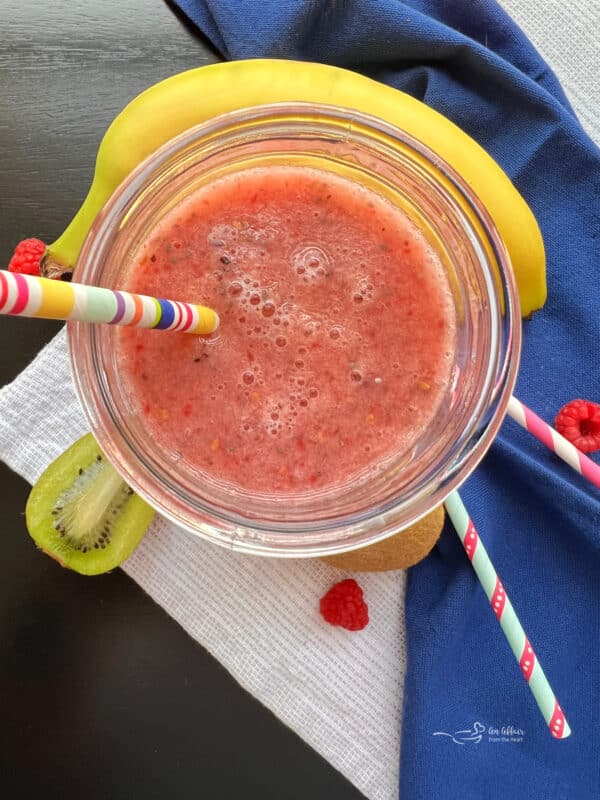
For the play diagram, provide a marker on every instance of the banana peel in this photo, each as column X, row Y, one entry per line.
column 184, row 100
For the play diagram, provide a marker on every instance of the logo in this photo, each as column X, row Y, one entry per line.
column 462, row 737
column 479, row 733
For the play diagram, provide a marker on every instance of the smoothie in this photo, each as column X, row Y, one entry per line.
column 337, row 333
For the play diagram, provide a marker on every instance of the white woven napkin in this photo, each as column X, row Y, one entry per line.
column 341, row 692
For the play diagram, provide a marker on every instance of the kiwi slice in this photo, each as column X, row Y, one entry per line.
column 83, row 514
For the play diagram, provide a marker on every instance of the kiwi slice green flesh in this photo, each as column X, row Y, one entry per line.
column 82, row 513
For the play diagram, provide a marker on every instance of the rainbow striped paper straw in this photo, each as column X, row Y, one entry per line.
column 30, row 296
column 554, row 441
column 509, row 622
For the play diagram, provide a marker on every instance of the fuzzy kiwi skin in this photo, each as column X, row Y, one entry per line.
column 132, row 522
column 399, row 551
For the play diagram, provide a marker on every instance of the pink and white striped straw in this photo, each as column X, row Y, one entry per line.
column 554, row 441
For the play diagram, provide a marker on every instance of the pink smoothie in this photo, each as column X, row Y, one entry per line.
column 337, row 332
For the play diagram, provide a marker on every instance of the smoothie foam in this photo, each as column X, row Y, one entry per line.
column 337, row 334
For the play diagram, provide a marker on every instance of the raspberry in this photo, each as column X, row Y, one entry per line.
column 343, row 605
column 27, row 256
column 579, row 422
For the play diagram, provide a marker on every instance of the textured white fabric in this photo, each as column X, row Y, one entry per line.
column 341, row 693
column 566, row 34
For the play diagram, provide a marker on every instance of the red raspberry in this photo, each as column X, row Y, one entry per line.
column 343, row 605
column 579, row 422
column 27, row 256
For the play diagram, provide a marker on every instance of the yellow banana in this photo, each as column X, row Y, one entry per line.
column 184, row 100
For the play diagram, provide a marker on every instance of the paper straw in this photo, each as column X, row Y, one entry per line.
column 509, row 622
column 554, row 441
column 30, row 296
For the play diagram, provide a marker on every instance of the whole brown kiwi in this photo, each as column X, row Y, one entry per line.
column 396, row 552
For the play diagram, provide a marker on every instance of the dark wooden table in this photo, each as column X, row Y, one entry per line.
column 102, row 695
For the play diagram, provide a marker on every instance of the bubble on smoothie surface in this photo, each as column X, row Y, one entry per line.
column 311, row 262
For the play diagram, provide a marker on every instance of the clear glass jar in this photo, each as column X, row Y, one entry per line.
column 388, row 161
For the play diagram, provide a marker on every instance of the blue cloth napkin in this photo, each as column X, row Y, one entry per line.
column 538, row 519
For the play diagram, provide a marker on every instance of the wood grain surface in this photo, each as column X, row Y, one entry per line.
column 102, row 695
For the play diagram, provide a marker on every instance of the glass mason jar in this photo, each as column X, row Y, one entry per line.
column 387, row 160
